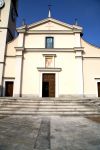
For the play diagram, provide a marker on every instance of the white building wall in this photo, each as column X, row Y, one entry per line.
column 91, row 71
column 30, row 82
column 31, row 76
column 66, row 61
column 5, row 14
column 9, row 70
column 60, row 41
column 79, row 72
column 91, row 74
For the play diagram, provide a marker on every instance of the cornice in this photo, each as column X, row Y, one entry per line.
column 49, row 50
column 79, row 49
column 52, row 31
column 19, row 48
column 49, row 69
column 91, row 57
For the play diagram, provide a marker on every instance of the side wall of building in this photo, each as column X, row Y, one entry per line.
column 91, row 71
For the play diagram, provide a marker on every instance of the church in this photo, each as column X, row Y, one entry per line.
column 48, row 58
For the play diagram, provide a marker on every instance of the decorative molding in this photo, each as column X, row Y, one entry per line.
column 49, row 50
column 49, row 69
column 19, row 55
column 97, row 78
column 13, row 78
column 71, row 27
column 50, row 31
column 91, row 57
column 49, row 55
column 78, row 56
column 19, row 48
column 11, row 56
column 79, row 49
column 2, row 62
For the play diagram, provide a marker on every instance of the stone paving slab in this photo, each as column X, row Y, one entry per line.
column 49, row 133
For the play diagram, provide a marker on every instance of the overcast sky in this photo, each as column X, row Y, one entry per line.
column 86, row 11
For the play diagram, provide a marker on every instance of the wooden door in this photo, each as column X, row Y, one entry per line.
column 98, row 89
column 9, row 88
column 48, row 85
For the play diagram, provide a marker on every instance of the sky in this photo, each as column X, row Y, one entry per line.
column 87, row 13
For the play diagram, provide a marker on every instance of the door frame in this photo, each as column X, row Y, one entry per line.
column 4, row 84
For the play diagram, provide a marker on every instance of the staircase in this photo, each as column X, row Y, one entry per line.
column 49, row 106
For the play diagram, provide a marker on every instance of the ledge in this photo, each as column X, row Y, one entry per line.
column 19, row 48
column 49, row 69
column 49, row 50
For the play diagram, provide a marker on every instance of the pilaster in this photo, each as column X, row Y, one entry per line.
column 3, row 36
column 19, row 65
column 79, row 70
column 18, row 72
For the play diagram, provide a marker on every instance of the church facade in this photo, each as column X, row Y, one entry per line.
column 49, row 58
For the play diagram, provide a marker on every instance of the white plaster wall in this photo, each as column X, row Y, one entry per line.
column 31, row 76
column 90, row 50
column 3, row 35
column 91, row 71
column 91, row 65
column 60, row 41
column 11, row 51
column 5, row 14
column 66, row 61
column 9, row 70
column 30, row 81
column 77, row 40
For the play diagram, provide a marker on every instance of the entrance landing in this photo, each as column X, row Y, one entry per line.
column 49, row 133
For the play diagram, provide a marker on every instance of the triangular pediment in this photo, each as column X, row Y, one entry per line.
column 50, row 24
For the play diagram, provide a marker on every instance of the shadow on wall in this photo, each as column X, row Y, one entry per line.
column 2, row 91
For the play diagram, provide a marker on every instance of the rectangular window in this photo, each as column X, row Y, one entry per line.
column 49, row 42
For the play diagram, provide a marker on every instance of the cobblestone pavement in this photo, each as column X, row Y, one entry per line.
column 49, row 133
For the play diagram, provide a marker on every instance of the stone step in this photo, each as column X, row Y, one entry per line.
column 50, row 113
column 48, row 110
column 47, row 101
column 41, row 105
column 47, row 98
column 43, row 102
column 48, row 106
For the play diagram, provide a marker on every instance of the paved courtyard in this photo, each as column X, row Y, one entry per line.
column 49, row 133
